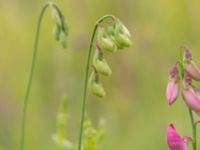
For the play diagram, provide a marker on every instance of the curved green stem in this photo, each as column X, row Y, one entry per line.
column 29, row 84
column 194, row 132
column 83, row 107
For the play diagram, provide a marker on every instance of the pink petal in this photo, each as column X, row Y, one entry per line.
column 174, row 140
column 192, row 99
column 192, row 69
column 172, row 91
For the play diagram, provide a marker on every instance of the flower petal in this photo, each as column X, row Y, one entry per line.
column 192, row 69
column 172, row 91
column 191, row 98
column 174, row 140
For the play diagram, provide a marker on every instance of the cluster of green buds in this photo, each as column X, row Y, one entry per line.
column 93, row 137
column 60, row 137
column 61, row 29
column 111, row 36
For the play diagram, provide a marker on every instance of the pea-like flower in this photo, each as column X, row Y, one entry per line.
column 172, row 91
column 173, row 86
column 191, row 96
column 174, row 140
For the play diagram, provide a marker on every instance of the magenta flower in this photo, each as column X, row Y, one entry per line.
column 173, row 86
column 174, row 140
column 191, row 96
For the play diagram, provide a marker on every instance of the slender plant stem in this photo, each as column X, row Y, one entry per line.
column 193, row 125
column 29, row 84
column 83, row 107
column 194, row 141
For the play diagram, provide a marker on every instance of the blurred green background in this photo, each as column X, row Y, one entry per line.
column 135, row 107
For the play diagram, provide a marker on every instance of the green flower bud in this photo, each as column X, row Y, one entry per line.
column 63, row 39
column 105, row 42
column 123, row 40
column 122, row 35
column 119, row 46
column 56, row 32
column 111, row 30
column 111, row 33
column 101, row 65
column 95, row 85
column 56, row 17
column 66, row 28
column 121, row 28
column 98, row 90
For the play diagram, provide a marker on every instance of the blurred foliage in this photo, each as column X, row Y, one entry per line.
column 135, row 108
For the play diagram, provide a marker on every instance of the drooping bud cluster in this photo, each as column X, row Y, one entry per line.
column 111, row 37
column 61, row 26
column 189, row 72
column 93, row 137
column 60, row 137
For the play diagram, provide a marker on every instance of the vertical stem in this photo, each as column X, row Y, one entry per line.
column 29, row 84
column 193, row 125
column 83, row 107
column 194, row 142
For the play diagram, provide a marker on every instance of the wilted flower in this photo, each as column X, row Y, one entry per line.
column 174, row 140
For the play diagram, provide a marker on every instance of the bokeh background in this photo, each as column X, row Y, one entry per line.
column 135, row 107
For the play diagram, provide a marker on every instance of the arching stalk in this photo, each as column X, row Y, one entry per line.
column 30, row 78
column 83, row 107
